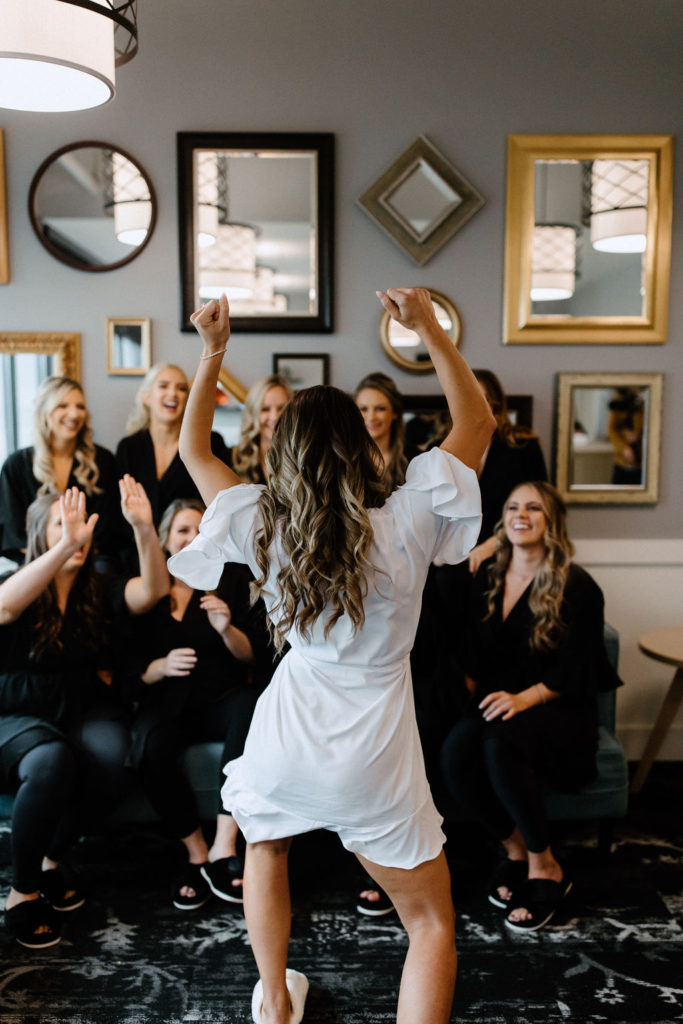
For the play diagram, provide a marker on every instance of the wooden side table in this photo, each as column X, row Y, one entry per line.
column 663, row 645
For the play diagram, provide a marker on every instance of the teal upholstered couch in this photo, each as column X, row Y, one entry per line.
column 604, row 800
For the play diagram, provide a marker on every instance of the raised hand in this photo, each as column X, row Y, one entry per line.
column 135, row 504
column 77, row 531
column 218, row 612
column 212, row 321
column 411, row 307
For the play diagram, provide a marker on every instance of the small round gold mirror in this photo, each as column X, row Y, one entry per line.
column 405, row 348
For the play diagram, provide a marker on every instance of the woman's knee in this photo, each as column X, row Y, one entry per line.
column 48, row 765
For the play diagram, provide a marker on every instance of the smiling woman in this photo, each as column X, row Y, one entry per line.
column 62, row 455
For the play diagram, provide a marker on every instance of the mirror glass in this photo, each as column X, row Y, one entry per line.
column 405, row 348
column 590, row 235
column 422, row 199
column 256, row 224
column 92, row 206
column 608, row 437
column 588, row 238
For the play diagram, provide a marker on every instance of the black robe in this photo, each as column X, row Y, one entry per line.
column 18, row 488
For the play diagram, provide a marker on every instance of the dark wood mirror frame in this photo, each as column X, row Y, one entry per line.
column 323, row 145
column 59, row 254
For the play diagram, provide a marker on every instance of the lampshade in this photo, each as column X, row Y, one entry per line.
column 58, row 55
column 553, row 262
column 132, row 201
column 206, row 176
column 230, row 265
column 619, row 190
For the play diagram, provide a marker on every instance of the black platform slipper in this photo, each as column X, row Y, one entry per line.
column 55, row 883
column 510, row 874
column 375, row 908
column 24, row 919
column 220, row 874
column 541, row 897
column 190, row 878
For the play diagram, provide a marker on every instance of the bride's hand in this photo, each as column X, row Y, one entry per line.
column 212, row 321
column 411, row 307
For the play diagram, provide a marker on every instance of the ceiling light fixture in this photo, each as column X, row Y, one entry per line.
column 59, row 55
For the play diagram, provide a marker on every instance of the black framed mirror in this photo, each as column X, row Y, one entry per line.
column 92, row 206
column 255, row 214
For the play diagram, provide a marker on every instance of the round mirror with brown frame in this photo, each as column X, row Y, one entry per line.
column 405, row 348
column 92, row 206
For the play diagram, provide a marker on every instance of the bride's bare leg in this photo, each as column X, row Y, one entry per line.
column 422, row 897
column 267, row 908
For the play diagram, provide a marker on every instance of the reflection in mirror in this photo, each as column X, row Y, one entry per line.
column 588, row 238
column 421, row 199
column 92, row 206
column 26, row 359
column 427, row 420
column 227, row 417
column 256, row 224
column 405, row 348
column 608, row 430
column 128, row 346
column 590, row 231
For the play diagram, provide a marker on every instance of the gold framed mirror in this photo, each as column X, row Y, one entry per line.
column 26, row 359
column 587, row 239
column 608, row 433
column 404, row 347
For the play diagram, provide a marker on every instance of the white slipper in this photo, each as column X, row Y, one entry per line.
column 297, row 985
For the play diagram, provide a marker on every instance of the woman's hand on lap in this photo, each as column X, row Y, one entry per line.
column 503, row 704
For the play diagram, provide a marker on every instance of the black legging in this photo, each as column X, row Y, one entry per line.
column 61, row 784
column 170, row 794
column 495, row 771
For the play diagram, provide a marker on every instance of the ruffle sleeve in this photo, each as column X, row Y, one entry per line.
column 440, row 504
column 226, row 534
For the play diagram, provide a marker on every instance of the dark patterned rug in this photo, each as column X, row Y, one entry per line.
column 614, row 954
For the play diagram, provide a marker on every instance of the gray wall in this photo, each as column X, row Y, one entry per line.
column 464, row 74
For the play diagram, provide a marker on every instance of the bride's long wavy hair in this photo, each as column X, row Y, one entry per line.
column 547, row 591
column 324, row 474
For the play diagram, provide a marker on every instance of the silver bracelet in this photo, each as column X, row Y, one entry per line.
column 538, row 687
column 212, row 354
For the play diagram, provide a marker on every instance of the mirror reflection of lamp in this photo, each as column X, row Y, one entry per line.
column 229, row 266
column 553, row 262
column 61, row 56
column 132, row 201
column 619, row 190
column 208, row 207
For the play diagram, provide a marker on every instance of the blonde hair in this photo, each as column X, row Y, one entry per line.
column 323, row 477
column 547, row 591
column 139, row 418
column 395, row 468
column 246, row 455
column 51, row 392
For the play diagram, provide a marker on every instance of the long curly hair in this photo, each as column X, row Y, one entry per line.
column 246, row 454
column 547, row 591
column 513, row 434
column 395, row 469
column 139, row 418
column 323, row 477
column 51, row 392
column 85, row 598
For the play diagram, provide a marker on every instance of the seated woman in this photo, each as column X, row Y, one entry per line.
column 198, row 655
column 62, row 455
column 264, row 402
column 535, row 662
column 63, row 742
column 381, row 406
column 149, row 452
